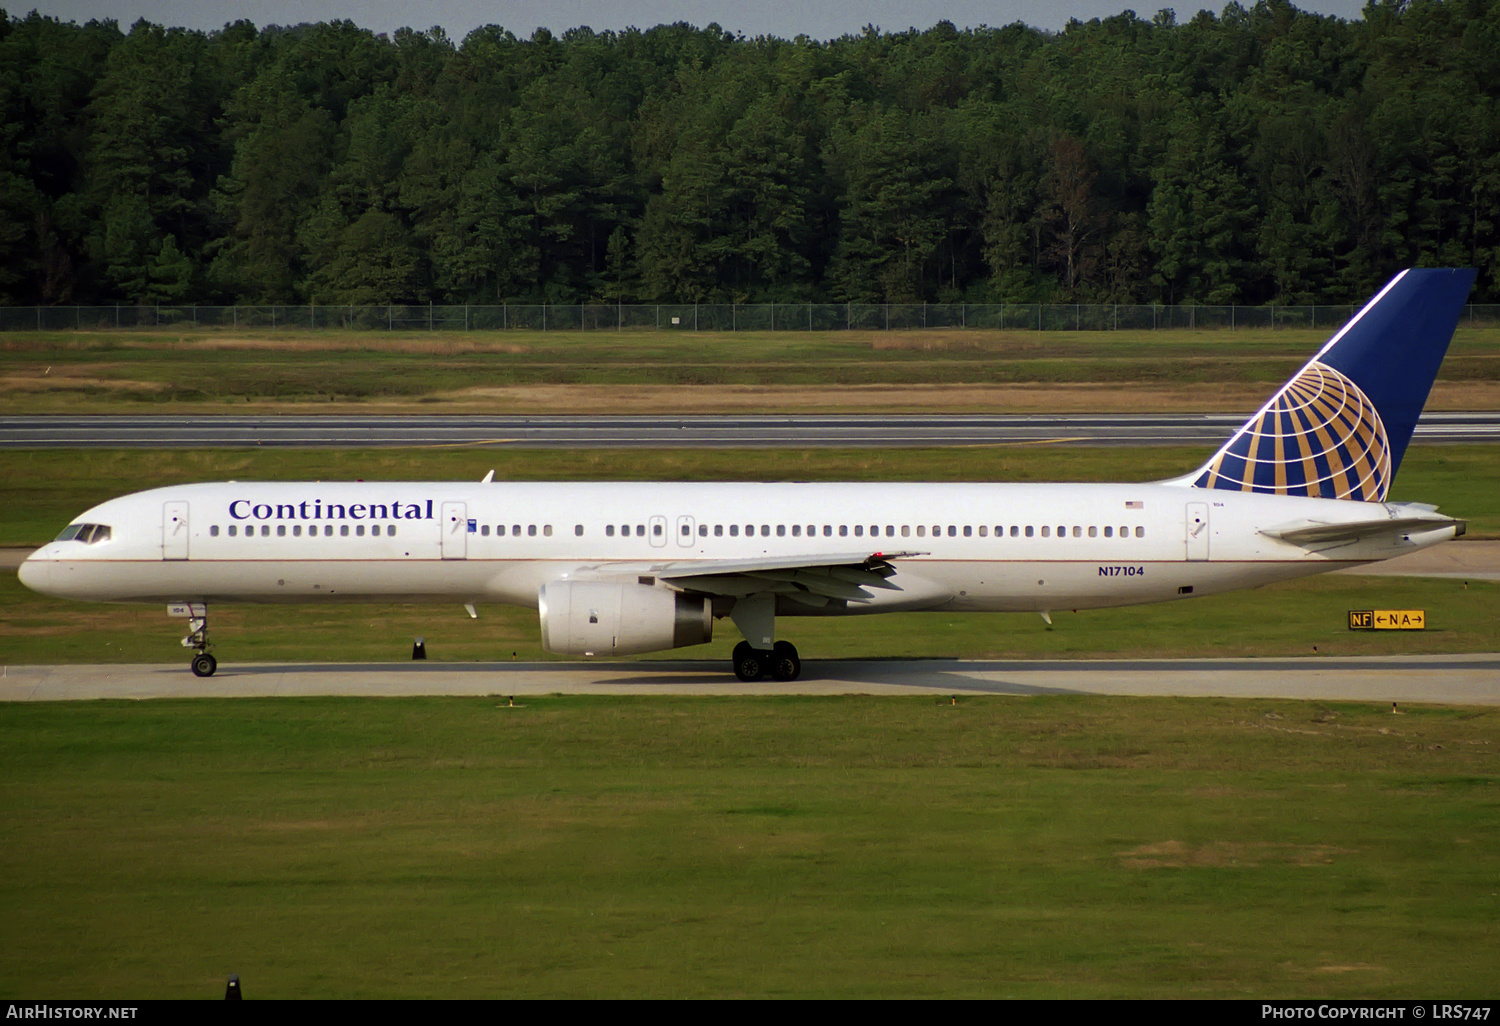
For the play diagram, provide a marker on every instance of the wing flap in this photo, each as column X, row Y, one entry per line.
column 814, row 580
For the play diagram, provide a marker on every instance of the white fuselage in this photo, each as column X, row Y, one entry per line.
column 997, row 547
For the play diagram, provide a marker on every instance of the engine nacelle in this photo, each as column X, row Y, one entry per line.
column 602, row 618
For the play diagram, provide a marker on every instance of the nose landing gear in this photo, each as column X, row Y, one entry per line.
column 203, row 664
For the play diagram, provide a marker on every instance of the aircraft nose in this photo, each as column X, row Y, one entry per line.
column 35, row 573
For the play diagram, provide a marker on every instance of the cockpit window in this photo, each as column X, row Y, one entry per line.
column 89, row 534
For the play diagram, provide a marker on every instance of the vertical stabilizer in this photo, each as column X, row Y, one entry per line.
column 1339, row 428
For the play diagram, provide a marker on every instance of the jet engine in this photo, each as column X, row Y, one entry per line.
column 602, row 618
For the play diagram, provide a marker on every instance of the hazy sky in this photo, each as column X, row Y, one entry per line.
column 817, row 18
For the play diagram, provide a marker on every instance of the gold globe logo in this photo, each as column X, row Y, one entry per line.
column 1319, row 437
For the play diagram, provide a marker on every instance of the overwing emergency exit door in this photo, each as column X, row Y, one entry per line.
column 174, row 530
column 455, row 530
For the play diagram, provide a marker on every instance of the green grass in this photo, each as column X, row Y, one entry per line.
column 208, row 369
column 845, row 847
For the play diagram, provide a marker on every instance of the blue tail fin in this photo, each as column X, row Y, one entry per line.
column 1339, row 428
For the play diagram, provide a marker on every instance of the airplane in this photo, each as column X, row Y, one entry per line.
column 619, row 568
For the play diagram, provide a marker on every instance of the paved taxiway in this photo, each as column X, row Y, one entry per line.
column 797, row 432
column 1472, row 679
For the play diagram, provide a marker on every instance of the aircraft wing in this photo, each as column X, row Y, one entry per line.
column 813, row 580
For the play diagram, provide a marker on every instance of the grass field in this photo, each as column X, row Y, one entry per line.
column 846, row 847
column 215, row 371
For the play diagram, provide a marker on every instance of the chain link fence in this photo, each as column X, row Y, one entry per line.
column 715, row 317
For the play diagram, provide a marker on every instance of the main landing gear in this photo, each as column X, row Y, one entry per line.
column 203, row 664
column 781, row 662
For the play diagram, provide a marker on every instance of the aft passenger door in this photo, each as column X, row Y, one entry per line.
column 1197, row 531
column 455, row 530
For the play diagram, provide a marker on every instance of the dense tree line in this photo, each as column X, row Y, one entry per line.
column 1265, row 155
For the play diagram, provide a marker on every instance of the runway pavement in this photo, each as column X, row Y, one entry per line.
column 193, row 432
column 1445, row 679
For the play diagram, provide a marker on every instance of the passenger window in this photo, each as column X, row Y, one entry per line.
column 1140, row 532
column 796, row 530
column 1109, row 532
column 968, row 531
column 344, row 530
column 484, row 530
column 213, row 531
column 827, row 530
column 232, row 530
column 531, row 530
column 718, row 530
column 921, row 530
column 359, row 530
column 578, row 530
column 734, row 530
column 765, row 530
column 859, row 530
column 609, row 530
column 952, row 531
column 374, row 528
column 1015, row 530
column 1077, row 531
column 1093, row 532
column 906, row 530
column 843, row 530
column 390, row 530
column 702, row 530
column 281, row 530
column 984, row 531
column 547, row 530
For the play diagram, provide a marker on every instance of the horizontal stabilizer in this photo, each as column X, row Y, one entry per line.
column 1309, row 532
